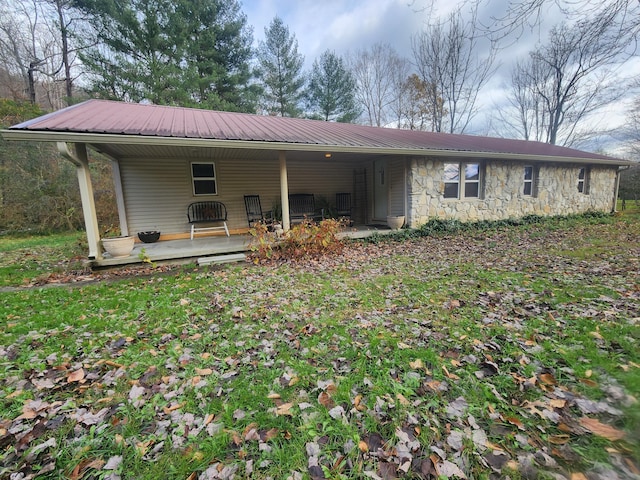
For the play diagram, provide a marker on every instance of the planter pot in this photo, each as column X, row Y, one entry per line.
column 395, row 222
column 119, row 246
column 149, row 237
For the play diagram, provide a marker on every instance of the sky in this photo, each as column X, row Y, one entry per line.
column 350, row 25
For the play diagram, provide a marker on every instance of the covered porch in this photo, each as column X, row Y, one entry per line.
column 204, row 250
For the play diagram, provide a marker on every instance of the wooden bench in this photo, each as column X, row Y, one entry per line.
column 302, row 206
column 207, row 212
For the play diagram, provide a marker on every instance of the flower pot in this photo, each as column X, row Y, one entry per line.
column 119, row 246
column 149, row 237
column 395, row 222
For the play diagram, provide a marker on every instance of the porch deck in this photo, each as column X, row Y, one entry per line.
column 209, row 249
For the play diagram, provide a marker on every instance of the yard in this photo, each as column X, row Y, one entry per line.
column 511, row 351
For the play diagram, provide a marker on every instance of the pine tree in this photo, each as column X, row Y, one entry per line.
column 170, row 52
column 331, row 92
column 281, row 71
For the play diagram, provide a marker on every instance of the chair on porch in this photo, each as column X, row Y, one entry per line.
column 343, row 207
column 255, row 214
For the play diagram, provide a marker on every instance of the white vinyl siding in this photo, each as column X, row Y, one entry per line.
column 397, row 193
column 158, row 191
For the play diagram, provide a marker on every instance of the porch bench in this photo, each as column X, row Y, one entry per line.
column 302, row 206
column 207, row 212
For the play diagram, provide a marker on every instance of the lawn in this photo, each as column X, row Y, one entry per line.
column 505, row 351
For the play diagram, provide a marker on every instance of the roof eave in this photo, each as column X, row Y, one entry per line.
column 108, row 138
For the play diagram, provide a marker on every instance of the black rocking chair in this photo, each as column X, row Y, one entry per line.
column 255, row 214
column 343, row 207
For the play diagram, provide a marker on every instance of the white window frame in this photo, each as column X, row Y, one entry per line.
column 584, row 175
column 461, row 180
column 213, row 179
column 532, row 181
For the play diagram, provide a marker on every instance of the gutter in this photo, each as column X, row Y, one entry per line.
column 96, row 139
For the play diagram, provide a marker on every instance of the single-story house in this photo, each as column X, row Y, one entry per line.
column 165, row 158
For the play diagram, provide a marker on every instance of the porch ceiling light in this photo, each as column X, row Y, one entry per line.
column 327, row 155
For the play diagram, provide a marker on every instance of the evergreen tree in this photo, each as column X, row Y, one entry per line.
column 331, row 92
column 281, row 70
column 186, row 52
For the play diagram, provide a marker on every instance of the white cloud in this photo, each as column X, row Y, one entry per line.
column 347, row 26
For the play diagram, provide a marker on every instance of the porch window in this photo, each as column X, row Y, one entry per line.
column 583, row 181
column 203, row 176
column 467, row 174
column 530, row 181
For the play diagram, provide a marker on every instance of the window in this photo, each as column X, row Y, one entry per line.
column 451, row 180
column 529, row 180
column 583, row 180
column 204, row 179
column 468, row 174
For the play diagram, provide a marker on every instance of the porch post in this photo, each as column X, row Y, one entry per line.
column 78, row 156
column 284, row 192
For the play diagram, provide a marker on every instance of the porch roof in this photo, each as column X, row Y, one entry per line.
column 113, row 127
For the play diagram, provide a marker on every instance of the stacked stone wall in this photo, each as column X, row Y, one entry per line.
column 502, row 192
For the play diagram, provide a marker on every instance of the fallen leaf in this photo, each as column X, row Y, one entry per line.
column 76, row 376
column 362, row 445
column 451, row 376
column 449, row 469
column 172, row 408
column 203, row 371
column 557, row 403
column 601, row 429
column 559, row 439
column 284, row 409
column 416, row 364
column 516, row 422
column 548, row 379
column 578, row 476
column 325, row 400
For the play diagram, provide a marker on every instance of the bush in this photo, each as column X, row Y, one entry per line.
column 305, row 240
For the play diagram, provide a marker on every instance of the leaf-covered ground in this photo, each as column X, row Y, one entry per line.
column 505, row 353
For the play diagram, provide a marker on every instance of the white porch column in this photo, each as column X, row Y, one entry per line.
column 78, row 156
column 284, row 192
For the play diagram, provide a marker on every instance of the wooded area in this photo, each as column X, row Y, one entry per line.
column 201, row 54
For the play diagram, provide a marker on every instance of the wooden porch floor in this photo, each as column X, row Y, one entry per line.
column 208, row 249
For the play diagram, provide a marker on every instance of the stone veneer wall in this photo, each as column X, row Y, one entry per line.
column 503, row 184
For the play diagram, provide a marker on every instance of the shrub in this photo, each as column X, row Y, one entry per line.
column 307, row 239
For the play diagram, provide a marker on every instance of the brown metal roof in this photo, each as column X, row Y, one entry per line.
column 102, row 117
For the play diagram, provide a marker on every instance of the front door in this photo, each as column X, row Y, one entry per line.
column 380, row 190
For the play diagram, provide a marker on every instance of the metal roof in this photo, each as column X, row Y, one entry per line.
column 103, row 121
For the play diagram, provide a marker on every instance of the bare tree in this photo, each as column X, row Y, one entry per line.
column 447, row 56
column 35, row 46
column 524, row 115
column 524, row 15
column 379, row 73
column 632, row 130
column 568, row 79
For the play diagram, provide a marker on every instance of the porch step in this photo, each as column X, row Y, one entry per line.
column 233, row 257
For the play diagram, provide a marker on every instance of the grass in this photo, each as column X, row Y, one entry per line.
column 400, row 358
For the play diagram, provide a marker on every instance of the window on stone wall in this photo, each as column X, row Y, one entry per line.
column 204, row 180
column 583, row 181
column 451, row 180
column 530, row 186
column 462, row 180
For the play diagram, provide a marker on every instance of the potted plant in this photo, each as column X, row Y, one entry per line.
column 115, row 244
